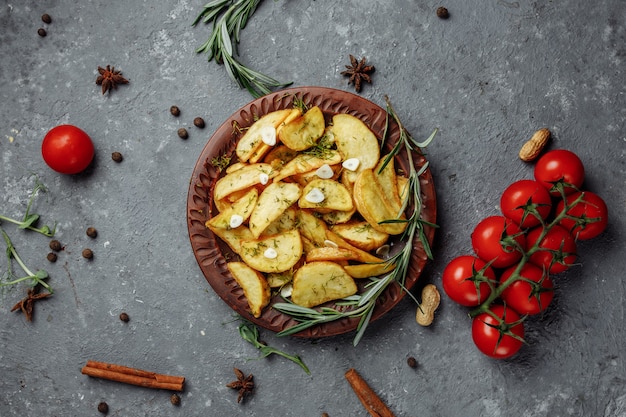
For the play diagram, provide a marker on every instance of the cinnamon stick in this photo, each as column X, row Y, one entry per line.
column 120, row 373
column 372, row 403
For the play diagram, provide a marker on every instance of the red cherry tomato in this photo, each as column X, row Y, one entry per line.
column 560, row 165
column 557, row 249
column 498, row 337
column 498, row 240
column 532, row 293
column 589, row 217
column 526, row 202
column 67, row 149
column 465, row 280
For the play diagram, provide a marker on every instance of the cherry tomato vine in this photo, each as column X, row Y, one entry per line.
column 516, row 254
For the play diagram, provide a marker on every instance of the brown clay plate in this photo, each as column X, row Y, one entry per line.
column 211, row 253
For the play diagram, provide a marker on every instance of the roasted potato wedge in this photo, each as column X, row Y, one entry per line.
column 242, row 179
column 288, row 220
column 369, row 270
column 371, row 204
column 255, row 287
column 273, row 201
column 303, row 132
column 363, row 256
column 304, row 163
column 312, row 228
column 329, row 253
column 388, row 181
column 242, row 207
column 232, row 237
column 274, row 253
column 264, row 148
column 361, row 234
column 252, row 139
column 332, row 196
column 279, row 279
column 318, row 282
column 279, row 156
column 355, row 140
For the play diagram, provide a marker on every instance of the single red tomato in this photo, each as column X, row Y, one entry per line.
column 585, row 219
column 465, row 280
column 526, row 202
column 560, row 166
column 530, row 292
column 498, row 334
column 67, row 149
column 556, row 250
column 498, row 240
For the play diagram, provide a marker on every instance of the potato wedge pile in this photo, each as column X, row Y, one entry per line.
column 305, row 206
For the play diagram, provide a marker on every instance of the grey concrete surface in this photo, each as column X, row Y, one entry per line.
column 487, row 77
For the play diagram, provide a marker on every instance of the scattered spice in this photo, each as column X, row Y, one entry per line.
column 175, row 111
column 92, row 232
column 46, row 18
column 117, row 157
column 182, row 133
column 109, row 78
column 372, row 403
column 87, row 253
column 442, row 13
column 103, row 407
column 124, row 317
column 175, row 399
column 412, row 362
column 42, row 32
column 27, row 304
column 133, row 376
column 358, row 71
column 199, row 122
column 325, row 415
column 55, row 245
column 244, row 384
column 52, row 257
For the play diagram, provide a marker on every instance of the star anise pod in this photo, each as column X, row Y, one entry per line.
column 109, row 78
column 358, row 71
column 27, row 304
column 244, row 384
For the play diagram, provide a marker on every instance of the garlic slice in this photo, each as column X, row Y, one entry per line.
column 268, row 135
column 383, row 250
column 325, row 172
column 235, row 221
column 351, row 164
column 315, row 196
column 286, row 290
column 264, row 178
column 330, row 244
column 270, row 253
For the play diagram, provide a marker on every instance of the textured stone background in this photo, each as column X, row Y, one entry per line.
column 487, row 77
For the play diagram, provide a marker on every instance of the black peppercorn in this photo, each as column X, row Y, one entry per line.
column 175, row 399
column 412, row 362
column 103, row 407
column 87, row 253
column 182, row 133
column 117, row 157
column 46, row 18
column 175, row 111
column 124, row 317
column 42, row 32
column 442, row 13
column 199, row 122
column 92, row 232
column 55, row 245
column 52, row 257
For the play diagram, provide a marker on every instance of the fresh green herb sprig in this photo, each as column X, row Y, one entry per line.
column 31, row 278
column 30, row 219
column 228, row 18
column 362, row 305
column 250, row 333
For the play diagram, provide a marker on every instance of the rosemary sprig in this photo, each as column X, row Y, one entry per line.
column 250, row 333
column 362, row 305
column 228, row 18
